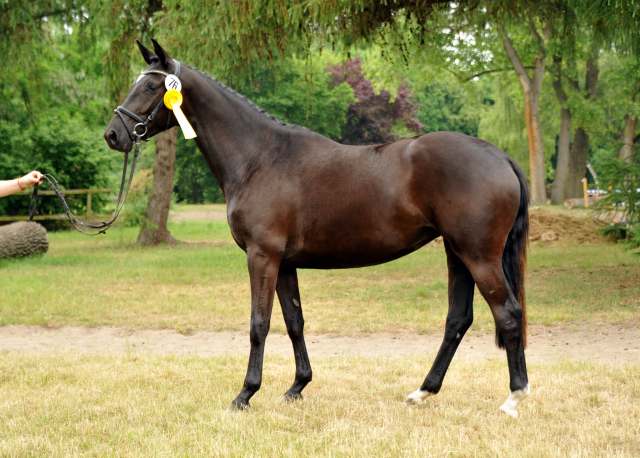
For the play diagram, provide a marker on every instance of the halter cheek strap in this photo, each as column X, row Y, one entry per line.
column 120, row 111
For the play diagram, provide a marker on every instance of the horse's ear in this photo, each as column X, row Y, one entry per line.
column 147, row 55
column 164, row 56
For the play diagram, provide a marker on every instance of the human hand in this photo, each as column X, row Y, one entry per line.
column 30, row 179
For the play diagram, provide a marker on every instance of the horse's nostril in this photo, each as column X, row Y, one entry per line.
column 113, row 137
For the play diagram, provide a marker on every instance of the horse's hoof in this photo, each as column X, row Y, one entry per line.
column 506, row 410
column 237, row 407
column 515, row 398
column 287, row 398
column 418, row 397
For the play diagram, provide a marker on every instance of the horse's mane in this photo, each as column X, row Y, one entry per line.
column 236, row 95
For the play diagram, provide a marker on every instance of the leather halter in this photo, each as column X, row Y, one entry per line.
column 133, row 133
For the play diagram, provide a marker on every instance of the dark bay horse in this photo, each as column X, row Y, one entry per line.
column 296, row 199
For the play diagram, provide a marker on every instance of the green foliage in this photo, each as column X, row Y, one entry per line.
column 300, row 92
column 622, row 179
column 118, row 23
column 51, row 119
column 63, row 147
column 447, row 104
column 194, row 183
column 634, row 236
column 72, row 59
column 235, row 35
column 24, row 30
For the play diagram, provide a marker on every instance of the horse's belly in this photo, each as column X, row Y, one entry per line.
column 357, row 251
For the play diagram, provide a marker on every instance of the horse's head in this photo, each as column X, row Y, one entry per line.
column 143, row 112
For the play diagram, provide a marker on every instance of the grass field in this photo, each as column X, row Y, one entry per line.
column 143, row 405
column 107, row 280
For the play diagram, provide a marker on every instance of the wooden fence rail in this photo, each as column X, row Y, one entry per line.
column 88, row 192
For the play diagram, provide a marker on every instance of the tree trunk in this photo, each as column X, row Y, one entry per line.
column 626, row 152
column 536, row 150
column 154, row 227
column 21, row 239
column 580, row 151
column 532, row 88
column 559, row 188
column 577, row 164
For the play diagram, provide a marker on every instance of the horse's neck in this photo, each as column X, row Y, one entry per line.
column 232, row 136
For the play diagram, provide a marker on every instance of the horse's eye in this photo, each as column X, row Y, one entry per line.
column 152, row 87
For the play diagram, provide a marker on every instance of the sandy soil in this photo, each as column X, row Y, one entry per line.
column 607, row 344
column 206, row 215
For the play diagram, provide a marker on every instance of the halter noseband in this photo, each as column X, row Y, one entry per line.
column 133, row 133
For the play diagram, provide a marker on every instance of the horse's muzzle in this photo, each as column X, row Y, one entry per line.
column 118, row 141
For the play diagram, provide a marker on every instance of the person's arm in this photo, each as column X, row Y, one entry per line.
column 8, row 187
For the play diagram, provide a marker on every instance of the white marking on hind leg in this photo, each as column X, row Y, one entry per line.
column 510, row 406
column 418, row 397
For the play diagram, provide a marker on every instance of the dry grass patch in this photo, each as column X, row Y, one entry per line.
column 139, row 405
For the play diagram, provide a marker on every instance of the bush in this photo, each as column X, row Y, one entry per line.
column 74, row 154
column 622, row 179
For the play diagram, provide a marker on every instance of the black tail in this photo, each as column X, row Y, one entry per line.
column 514, row 258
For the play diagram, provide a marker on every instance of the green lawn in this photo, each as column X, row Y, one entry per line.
column 107, row 280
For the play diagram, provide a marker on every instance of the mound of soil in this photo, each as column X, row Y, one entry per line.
column 546, row 226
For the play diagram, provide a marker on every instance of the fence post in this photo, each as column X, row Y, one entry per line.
column 586, row 195
column 89, row 193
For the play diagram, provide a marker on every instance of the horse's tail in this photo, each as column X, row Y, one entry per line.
column 514, row 257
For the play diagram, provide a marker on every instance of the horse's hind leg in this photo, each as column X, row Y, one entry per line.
column 289, row 295
column 507, row 315
column 459, row 319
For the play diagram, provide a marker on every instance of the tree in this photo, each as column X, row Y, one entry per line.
column 154, row 226
column 628, row 137
column 121, row 22
column 558, row 190
column 532, row 86
column 371, row 119
column 574, row 100
column 629, row 77
column 447, row 104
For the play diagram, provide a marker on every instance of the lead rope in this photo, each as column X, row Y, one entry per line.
column 104, row 225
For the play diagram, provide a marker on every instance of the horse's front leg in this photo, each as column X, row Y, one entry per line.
column 289, row 295
column 263, row 273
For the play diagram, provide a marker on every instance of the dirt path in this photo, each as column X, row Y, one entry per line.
column 608, row 344
column 204, row 215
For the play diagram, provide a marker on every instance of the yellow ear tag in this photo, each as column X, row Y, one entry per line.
column 173, row 100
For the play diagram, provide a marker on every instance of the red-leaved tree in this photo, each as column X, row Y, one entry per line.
column 371, row 119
